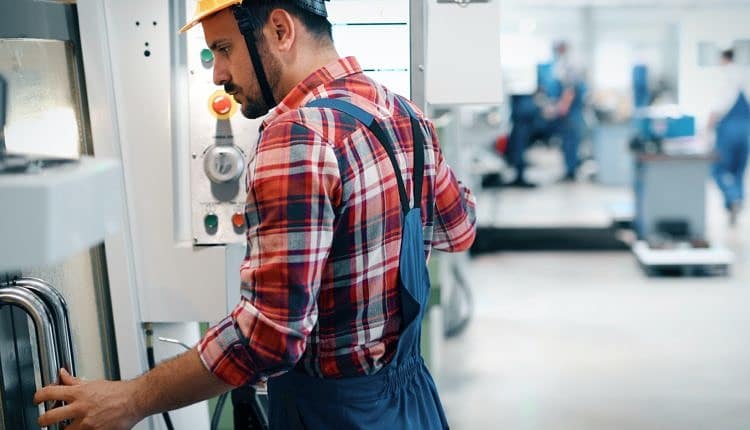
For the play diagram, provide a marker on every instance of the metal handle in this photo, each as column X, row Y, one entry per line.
column 45, row 334
column 58, row 309
column 3, row 109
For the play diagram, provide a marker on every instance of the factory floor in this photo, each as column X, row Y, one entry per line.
column 585, row 341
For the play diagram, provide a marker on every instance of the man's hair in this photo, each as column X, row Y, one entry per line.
column 728, row 54
column 319, row 27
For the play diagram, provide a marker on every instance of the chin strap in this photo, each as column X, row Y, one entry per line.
column 247, row 28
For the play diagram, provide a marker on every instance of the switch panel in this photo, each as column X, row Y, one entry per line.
column 221, row 144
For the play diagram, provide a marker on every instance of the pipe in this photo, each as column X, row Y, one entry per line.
column 45, row 334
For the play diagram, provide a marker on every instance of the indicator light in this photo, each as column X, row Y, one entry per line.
column 207, row 57
column 211, row 221
column 238, row 220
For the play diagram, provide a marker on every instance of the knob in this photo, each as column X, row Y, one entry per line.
column 223, row 164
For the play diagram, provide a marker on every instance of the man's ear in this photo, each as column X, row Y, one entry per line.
column 283, row 29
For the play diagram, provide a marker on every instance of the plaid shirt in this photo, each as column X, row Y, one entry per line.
column 320, row 278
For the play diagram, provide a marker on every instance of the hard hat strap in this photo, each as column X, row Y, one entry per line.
column 247, row 28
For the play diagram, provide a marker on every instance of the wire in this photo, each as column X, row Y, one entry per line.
column 216, row 418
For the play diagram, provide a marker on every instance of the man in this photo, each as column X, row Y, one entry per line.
column 731, row 119
column 329, row 308
column 567, row 90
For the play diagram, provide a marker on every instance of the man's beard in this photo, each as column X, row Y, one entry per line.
column 256, row 107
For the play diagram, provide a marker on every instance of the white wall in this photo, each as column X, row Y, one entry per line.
column 606, row 41
column 719, row 25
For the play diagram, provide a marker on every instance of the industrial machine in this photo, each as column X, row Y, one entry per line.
column 672, row 166
column 58, row 205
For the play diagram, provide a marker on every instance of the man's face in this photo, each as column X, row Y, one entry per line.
column 232, row 66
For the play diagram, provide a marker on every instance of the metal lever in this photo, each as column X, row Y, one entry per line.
column 59, row 311
column 45, row 334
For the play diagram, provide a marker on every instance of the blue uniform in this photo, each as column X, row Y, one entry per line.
column 400, row 396
column 732, row 134
column 524, row 114
column 571, row 126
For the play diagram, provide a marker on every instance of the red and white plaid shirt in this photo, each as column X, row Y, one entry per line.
column 319, row 281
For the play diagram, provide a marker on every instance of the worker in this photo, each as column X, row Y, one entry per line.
column 524, row 112
column 346, row 179
column 567, row 92
column 730, row 118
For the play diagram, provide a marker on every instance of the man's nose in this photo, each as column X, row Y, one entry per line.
column 221, row 73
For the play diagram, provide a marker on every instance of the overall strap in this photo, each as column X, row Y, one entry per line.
column 419, row 144
column 372, row 124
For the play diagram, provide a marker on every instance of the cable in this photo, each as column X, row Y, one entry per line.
column 216, row 418
column 151, row 364
column 460, row 308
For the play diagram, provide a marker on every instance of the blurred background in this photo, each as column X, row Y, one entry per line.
column 608, row 284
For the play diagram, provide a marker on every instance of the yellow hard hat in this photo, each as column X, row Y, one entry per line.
column 205, row 8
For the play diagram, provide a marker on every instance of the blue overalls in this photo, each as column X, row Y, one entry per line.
column 732, row 134
column 570, row 127
column 402, row 395
column 524, row 113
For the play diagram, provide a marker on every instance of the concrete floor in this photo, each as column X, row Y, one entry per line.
column 585, row 341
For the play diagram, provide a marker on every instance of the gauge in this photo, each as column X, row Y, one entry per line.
column 223, row 164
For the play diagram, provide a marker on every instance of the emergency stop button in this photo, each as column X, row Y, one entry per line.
column 222, row 105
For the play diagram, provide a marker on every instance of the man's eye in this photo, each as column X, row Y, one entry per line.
column 224, row 50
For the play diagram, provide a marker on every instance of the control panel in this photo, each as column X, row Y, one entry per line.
column 221, row 144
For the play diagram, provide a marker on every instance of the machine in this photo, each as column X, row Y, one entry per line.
column 672, row 166
column 59, row 205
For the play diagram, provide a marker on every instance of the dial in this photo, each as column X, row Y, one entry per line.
column 223, row 164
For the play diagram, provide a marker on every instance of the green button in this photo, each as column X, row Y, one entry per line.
column 207, row 56
column 211, row 221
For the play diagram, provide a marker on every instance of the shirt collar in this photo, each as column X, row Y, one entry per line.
column 312, row 86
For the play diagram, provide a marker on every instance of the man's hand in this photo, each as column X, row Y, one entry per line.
column 103, row 405
column 98, row 405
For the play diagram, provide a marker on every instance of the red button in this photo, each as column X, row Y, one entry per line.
column 238, row 220
column 222, row 104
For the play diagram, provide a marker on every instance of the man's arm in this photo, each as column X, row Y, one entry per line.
column 455, row 219
column 115, row 405
column 295, row 184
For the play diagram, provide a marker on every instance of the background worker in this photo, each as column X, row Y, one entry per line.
column 731, row 120
column 567, row 90
column 334, row 283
